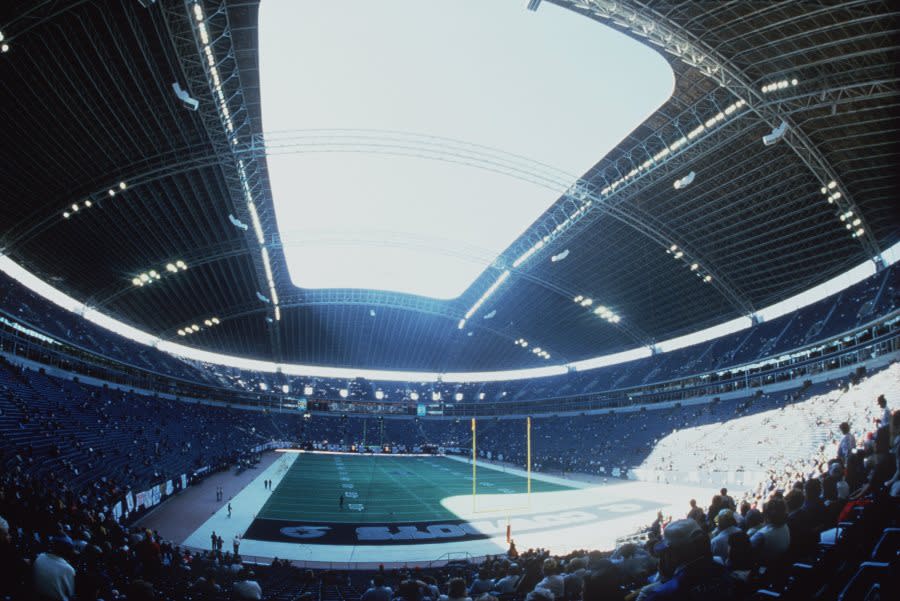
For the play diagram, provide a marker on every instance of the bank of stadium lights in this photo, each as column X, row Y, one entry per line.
column 194, row 328
column 521, row 342
column 695, row 267
column 852, row 222
column 713, row 122
column 776, row 86
column 152, row 275
column 4, row 47
column 228, row 122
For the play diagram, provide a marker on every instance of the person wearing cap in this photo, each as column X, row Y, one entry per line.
column 687, row 566
column 726, row 525
column 54, row 577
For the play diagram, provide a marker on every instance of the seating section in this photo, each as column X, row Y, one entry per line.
column 860, row 304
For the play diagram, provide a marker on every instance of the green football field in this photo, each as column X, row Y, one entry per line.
column 382, row 488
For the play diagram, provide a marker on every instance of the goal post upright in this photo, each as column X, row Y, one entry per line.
column 474, row 475
column 528, row 446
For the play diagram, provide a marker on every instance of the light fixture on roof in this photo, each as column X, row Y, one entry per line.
column 75, row 208
column 181, row 264
column 4, row 48
column 88, row 203
column 122, row 185
column 684, row 181
column 137, row 281
column 776, row 134
column 66, row 214
column 208, row 323
column 707, row 278
column 188, row 101
column 111, row 192
column 695, row 266
column 215, row 320
column 181, row 332
column 195, row 327
column 170, row 267
column 560, row 256
column 144, row 277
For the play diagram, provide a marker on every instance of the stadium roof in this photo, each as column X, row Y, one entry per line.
column 692, row 220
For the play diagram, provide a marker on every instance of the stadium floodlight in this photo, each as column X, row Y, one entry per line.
column 458, row 396
column 776, row 134
column 181, row 264
column 4, row 48
column 480, row 396
column 111, row 192
column 170, row 267
column 88, row 204
column 207, row 323
column 122, row 185
column 144, row 277
column 684, row 181
column 188, row 101
column 66, row 214
column 307, row 390
column 237, row 222
column 344, row 393
column 75, row 208
column 559, row 257
column 181, row 332
column 285, row 388
column 379, row 394
column 414, row 396
column 137, row 281
column 215, row 320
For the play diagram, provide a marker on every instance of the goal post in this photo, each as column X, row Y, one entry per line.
column 527, row 504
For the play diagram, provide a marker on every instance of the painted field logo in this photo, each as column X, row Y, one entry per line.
column 305, row 532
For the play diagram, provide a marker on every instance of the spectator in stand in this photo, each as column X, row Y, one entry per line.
column 54, row 577
column 574, row 578
column 604, row 584
column 727, row 501
column 247, row 587
column 482, row 584
column 772, row 541
column 686, row 566
column 842, row 488
column 456, row 591
column 726, row 525
column 552, row 580
column 880, row 466
column 740, row 561
column 697, row 514
column 508, row 583
column 814, row 506
column 800, row 525
column 847, row 444
column 379, row 591
column 885, row 418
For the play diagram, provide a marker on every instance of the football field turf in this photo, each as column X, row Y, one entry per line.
column 382, row 488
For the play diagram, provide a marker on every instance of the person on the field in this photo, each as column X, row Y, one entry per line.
column 236, row 543
column 341, row 501
column 229, row 509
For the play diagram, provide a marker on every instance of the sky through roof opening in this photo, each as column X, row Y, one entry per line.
column 427, row 135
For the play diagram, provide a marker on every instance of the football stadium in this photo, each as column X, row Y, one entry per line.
column 449, row 300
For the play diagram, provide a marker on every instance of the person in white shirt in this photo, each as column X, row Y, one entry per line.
column 54, row 577
column 772, row 541
column 885, row 421
column 552, row 581
column 847, row 444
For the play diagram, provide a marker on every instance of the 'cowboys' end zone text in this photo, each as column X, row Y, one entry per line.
column 433, row 532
